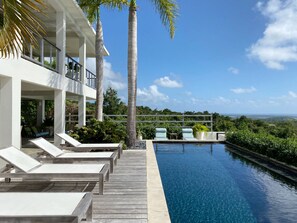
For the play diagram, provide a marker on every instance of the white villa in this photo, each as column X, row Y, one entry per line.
column 49, row 72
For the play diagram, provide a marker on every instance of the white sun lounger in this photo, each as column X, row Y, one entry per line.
column 31, row 169
column 45, row 207
column 77, row 146
column 161, row 134
column 188, row 134
column 59, row 155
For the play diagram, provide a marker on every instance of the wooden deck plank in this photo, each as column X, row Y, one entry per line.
column 125, row 194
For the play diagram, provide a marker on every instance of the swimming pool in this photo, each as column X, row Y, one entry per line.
column 209, row 183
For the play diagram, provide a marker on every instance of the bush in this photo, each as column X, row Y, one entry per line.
column 284, row 150
column 100, row 132
column 199, row 128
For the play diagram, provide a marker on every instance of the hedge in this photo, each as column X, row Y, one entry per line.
column 284, row 150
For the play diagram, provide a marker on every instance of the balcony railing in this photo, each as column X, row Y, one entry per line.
column 174, row 121
column 45, row 54
column 73, row 69
column 91, row 79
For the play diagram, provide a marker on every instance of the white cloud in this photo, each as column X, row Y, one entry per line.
column 167, row 82
column 151, row 94
column 233, row 70
column 292, row 94
column 111, row 78
column 290, row 98
column 243, row 90
column 279, row 42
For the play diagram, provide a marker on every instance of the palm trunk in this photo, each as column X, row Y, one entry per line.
column 99, row 69
column 132, row 75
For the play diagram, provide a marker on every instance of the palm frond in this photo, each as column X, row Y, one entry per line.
column 115, row 4
column 20, row 24
column 168, row 10
column 90, row 7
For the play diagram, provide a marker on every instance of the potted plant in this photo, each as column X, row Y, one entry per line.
column 200, row 131
column 139, row 135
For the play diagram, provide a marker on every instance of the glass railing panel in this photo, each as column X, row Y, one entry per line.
column 91, row 79
column 50, row 56
column 45, row 54
column 73, row 68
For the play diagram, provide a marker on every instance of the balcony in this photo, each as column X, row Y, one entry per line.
column 73, row 69
column 91, row 79
column 45, row 54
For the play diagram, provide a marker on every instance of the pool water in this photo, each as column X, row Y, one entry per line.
column 209, row 183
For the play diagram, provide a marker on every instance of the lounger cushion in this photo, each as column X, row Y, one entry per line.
column 38, row 204
column 87, row 155
column 47, row 146
column 161, row 130
column 188, row 130
column 18, row 158
column 69, row 139
column 68, row 168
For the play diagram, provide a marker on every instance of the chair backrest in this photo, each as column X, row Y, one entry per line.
column 161, row 133
column 18, row 158
column 47, row 147
column 187, row 133
column 69, row 139
column 163, row 130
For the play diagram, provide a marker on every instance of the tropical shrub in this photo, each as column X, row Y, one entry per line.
column 100, row 132
column 284, row 150
column 199, row 128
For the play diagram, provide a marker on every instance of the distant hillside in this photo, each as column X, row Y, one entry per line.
column 268, row 118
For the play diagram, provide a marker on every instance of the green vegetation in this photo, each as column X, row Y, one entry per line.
column 96, row 131
column 281, row 149
column 199, row 128
column 274, row 138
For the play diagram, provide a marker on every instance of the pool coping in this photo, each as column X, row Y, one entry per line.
column 156, row 201
column 275, row 162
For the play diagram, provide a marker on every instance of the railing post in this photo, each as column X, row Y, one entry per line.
column 41, row 51
column 211, row 124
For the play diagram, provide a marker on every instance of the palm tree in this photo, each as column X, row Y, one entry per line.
column 17, row 25
column 92, row 8
column 168, row 13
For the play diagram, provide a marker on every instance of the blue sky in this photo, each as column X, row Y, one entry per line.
column 227, row 56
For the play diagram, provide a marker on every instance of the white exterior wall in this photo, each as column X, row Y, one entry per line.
column 17, row 71
column 10, row 112
column 35, row 74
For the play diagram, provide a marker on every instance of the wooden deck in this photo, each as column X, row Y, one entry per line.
column 125, row 195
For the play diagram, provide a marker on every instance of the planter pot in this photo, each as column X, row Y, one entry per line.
column 201, row 135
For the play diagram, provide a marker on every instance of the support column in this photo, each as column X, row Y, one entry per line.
column 59, row 123
column 83, row 58
column 40, row 112
column 10, row 112
column 82, row 111
column 61, row 39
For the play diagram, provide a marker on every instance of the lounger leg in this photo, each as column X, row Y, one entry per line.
column 111, row 165
column 89, row 214
column 101, row 182
column 107, row 176
column 119, row 153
